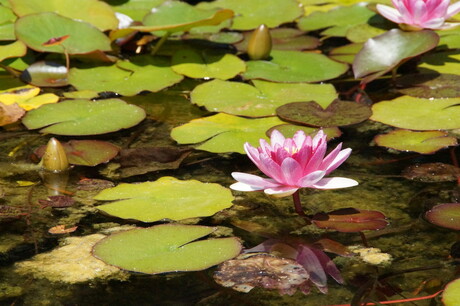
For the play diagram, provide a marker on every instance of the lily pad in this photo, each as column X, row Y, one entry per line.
column 16, row 49
column 288, row 130
column 136, row 9
column 126, row 77
column 379, row 55
column 250, row 14
column 7, row 19
column 82, row 37
column 46, row 74
column 10, row 113
column 431, row 85
column 451, row 294
column 338, row 20
column 84, row 117
column 338, row 113
column 222, row 133
column 418, row 114
column 86, row 152
column 350, row 220
column 97, row 13
column 26, row 97
column 445, row 215
column 446, row 62
column 207, row 64
column 426, row 142
column 262, row 99
column 166, row 198
column 346, row 54
column 294, row 66
column 166, row 248
column 431, row 173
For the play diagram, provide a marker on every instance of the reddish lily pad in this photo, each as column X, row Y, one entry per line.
column 86, row 152
column 426, row 142
column 437, row 86
column 338, row 113
column 445, row 215
column 432, row 173
column 350, row 220
column 46, row 74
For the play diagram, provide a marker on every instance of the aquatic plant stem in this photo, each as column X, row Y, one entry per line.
column 160, row 43
column 298, row 206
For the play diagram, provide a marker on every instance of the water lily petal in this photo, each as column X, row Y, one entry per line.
column 292, row 172
column 452, row 10
column 389, row 13
column 434, row 23
column 271, row 168
column 299, row 138
column 244, row 187
column 331, row 165
column 254, row 180
column 311, row 178
column 276, row 138
column 308, row 259
column 335, row 183
column 279, row 192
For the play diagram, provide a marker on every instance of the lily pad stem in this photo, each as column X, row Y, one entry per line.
column 298, row 206
column 160, row 43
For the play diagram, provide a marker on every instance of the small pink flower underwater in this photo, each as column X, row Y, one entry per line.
column 293, row 163
column 421, row 14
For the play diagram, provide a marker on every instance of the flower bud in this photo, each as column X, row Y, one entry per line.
column 55, row 158
column 260, row 43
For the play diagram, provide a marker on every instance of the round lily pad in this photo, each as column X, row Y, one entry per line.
column 338, row 113
column 445, row 215
column 82, row 37
column 7, row 19
column 426, row 142
column 430, row 85
column 262, row 99
column 84, row 117
column 16, row 49
column 294, row 66
column 222, row 133
column 451, row 294
column 166, row 248
column 418, row 114
column 446, row 62
column 166, row 198
column 345, row 54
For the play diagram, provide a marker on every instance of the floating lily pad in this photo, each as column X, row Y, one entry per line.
column 222, row 133
column 421, row 142
column 375, row 26
column 338, row 20
column 26, row 97
column 84, row 117
column 262, row 99
column 447, row 62
column 430, row 85
column 346, row 54
column 250, row 14
column 126, row 78
column 379, row 55
column 293, row 66
column 98, row 13
column 432, row 173
column 46, row 74
column 82, row 37
column 451, row 294
column 166, row 248
column 338, row 113
column 350, row 220
column 288, row 130
column 207, row 64
column 7, row 19
column 166, row 198
column 86, row 152
column 10, row 113
column 445, row 215
column 418, row 114
column 136, row 9
column 16, row 49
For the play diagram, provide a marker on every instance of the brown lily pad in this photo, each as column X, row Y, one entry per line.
column 445, row 215
column 58, row 201
column 10, row 113
column 350, row 220
column 427, row 86
column 338, row 113
column 431, row 173
column 10, row 212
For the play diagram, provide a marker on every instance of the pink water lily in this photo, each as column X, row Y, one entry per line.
column 421, row 14
column 293, row 163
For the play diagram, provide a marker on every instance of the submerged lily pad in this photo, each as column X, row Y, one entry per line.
column 294, row 66
column 431, row 85
column 262, row 99
column 84, row 117
column 350, row 220
column 431, row 173
column 222, row 133
column 82, row 37
column 445, row 215
column 166, row 198
column 166, row 248
column 379, row 55
column 426, row 142
column 418, row 114
column 338, row 113
column 46, row 74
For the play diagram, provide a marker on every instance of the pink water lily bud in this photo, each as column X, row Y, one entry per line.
column 293, row 163
column 421, row 14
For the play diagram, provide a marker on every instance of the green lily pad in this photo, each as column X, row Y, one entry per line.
column 426, row 142
column 126, row 77
column 445, row 215
column 379, row 55
column 350, row 220
column 451, row 294
column 360, row 33
column 82, row 36
column 250, row 14
column 338, row 113
column 293, row 66
column 97, row 13
column 166, row 248
column 338, row 20
column 166, row 198
column 262, row 99
column 346, row 54
column 222, row 133
column 447, row 62
column 84, row 117
column 7, row 19
column 16, row 49
column 207, row 64
column 46, row 74
column 136, row 9
column 288, row 130
column 418, row 114
column 431, row 85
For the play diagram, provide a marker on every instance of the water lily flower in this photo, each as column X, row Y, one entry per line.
column 421, row 14
column 293, row 163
